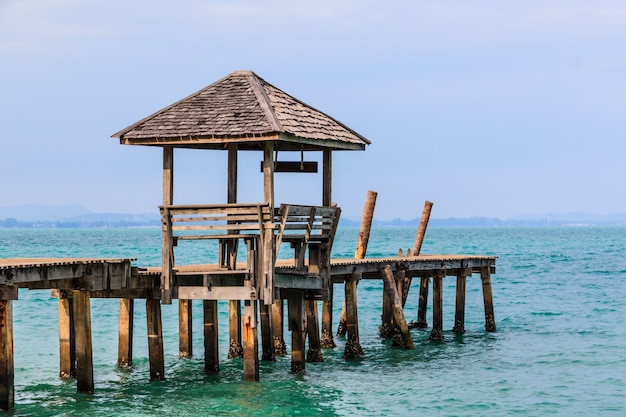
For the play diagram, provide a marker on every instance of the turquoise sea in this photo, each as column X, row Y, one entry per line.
column 560, row 349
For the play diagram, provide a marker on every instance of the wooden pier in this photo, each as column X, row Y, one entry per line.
column 240, row 112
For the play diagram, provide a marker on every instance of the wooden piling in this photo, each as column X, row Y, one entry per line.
column 396, row 305
column 185, row 328
column 424, row 281
column 67, row 346
column 459, row 314
column 297, row 326
column 327, row 341
column 250, row 341
column 155, row 340
column 211, row 337
column 353, row 348
column 7, row 370
column 125, row 337
column 490, row 322
column 235, row 349
column 314, row 354
column 361, row 248
column 437, row 331
column 267, row 335
column 280, row 348
column 421, row 322
column 82, row 330
column 385, row 330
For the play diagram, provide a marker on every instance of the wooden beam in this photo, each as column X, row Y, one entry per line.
column 211, row 337
column 7, row 388
column 216, row 293
column 155, row 340
column 82, row 330
column 125, row 338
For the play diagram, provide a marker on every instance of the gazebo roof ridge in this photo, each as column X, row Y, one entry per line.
column 243, row 108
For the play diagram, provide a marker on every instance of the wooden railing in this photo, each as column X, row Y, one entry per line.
column 226, row 223
column 308, row 229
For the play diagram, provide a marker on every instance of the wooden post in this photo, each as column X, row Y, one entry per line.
column 82, row 331
column 353, row 348
column 386, row 330
column 67, row 345
column 417, row 248
column 185, row 328
column 167, row 249
column 327, row 341
column 211, row 337
column 267, row 336
column 125, row 338
column 396, row 305
column 437, row 331
column 421, row 322
column 361, row 247
column 314, row 354
column 250, row 341
column 7, row 367
column 490, row 322
column 235, row 349
column 459, row 314
column 280, row 348
column 155, row 340
column 421, row 231
column 297, row 325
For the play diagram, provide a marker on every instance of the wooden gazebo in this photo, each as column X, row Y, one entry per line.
column 243, row 112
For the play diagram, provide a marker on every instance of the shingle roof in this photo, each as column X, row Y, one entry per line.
column 242, row 108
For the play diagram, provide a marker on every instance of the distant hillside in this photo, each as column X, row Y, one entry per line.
column 36, row 215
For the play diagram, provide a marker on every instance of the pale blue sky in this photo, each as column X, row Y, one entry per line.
column 487, row 108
